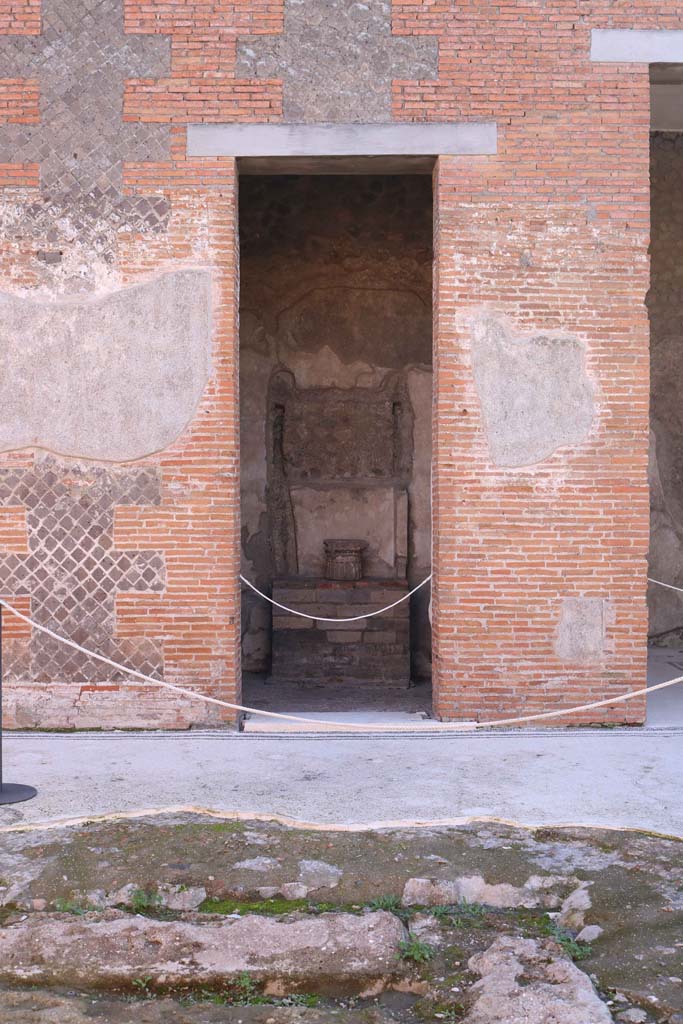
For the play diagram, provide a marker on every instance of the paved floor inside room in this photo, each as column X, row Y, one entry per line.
column 259, row 692
column 665, row 707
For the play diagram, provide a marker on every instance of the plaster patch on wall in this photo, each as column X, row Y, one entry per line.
column 111, row 378
column 581, row 629
column 534, row 390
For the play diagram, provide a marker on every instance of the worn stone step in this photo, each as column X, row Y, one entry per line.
column 321, row 721
column 330, row 954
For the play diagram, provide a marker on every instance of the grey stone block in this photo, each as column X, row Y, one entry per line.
column 637, row 46
column 343, row 140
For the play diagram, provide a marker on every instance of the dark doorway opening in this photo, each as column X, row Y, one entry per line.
column 665, row 307
column 336, row 434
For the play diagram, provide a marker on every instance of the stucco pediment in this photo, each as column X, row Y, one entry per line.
column 110, row 377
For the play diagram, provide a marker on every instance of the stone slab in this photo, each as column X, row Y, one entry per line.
column 357, row 953
column 637, row 46
column 321, row 719
column 529, row 980
column 344, row 140
column 534, row 390
column 354, row 511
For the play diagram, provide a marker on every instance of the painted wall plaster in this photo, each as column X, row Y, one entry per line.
column 581, row 629
column 111, row 377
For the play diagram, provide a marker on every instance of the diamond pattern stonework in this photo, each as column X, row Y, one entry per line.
column 73, row 572
column 81, row 61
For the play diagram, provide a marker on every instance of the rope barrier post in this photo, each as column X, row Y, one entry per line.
column 10, row 792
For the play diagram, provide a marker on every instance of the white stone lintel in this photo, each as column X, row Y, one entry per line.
column 342, row 140
column 637, row 46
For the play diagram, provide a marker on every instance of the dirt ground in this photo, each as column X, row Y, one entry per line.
column 611, row 902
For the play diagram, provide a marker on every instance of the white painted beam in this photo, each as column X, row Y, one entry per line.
column 637, row 46
column 342, row 140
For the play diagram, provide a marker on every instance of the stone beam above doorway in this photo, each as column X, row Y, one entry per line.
column 637, row 46
column 341, row 148
column 662, row 49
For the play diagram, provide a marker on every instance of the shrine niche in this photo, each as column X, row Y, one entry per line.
column 335, row 431
column 339, row 464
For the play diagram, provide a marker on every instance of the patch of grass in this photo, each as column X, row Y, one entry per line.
column 574, row 950
column 393, row 905
column 415, row 951
column 274, row 906
column 142, row 901
column 335, row 908
column 76, row 907
column 142, row 987
column 244, row 991
column 452, row 1013
column 7, row 910
column 460, row 915
column 543, row 925
column 222, row 827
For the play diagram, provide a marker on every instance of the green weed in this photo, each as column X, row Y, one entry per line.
column 392, row 904
column 76, row 907
column 460, row 915
column 415, row 951
column 142, row 901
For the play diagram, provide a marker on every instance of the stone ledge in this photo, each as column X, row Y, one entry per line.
column 330, row 953
column 637, row 46
column 342, row 140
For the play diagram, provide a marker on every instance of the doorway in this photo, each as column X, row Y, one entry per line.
column 665, row 308
column 336, row 436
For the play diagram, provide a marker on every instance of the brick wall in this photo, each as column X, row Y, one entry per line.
column 552, row 234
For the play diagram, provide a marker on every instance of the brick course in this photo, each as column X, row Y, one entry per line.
column 553, row 233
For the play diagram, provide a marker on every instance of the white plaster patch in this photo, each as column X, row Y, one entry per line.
column 581, row 630
column 534, row 390
column 110, row 377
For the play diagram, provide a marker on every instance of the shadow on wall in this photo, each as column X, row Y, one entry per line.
column 665, row 305
column 336, row 327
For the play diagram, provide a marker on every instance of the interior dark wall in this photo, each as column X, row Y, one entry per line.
column 335, row 294
column 665, row 305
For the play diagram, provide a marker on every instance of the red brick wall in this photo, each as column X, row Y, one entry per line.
column 552, row 233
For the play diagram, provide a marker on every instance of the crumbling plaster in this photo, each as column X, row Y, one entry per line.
column 335, row 289
column 111, row 377
column 534, row 390
column 582, row 629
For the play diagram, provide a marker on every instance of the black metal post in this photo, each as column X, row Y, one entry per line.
column 10, row 792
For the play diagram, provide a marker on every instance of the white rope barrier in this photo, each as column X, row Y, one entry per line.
column 337, row 726
column 669, row 586
column 321, row 618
